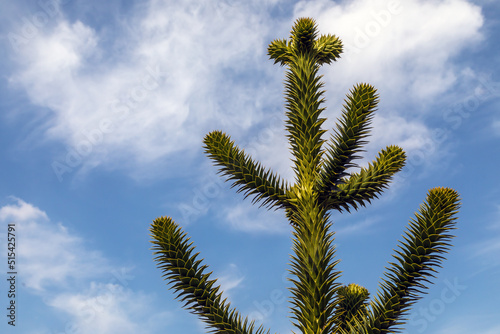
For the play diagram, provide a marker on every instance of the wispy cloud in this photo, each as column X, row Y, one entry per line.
column 496, row 127
column 158, row 97
column 356, row 228
column 110, row 308
column 490, row 247
column 178, row 70
column 50, row 255
column 230, row 279
column 248, row 217
column 57, row 267
column 487, row 250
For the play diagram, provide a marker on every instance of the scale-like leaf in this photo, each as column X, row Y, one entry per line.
column 279, row 50
column 328, row 49
column 315, row 274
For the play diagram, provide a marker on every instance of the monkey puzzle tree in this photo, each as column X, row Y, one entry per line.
column 323, row 182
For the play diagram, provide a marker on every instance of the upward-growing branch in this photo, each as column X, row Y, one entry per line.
column 250, row 177
column 174, row 254
column 313, row 262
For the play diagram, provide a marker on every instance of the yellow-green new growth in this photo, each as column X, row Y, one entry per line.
column 323, row 182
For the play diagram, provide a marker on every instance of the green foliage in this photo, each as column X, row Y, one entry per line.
column 324, row 182
column 352, row 306
column 428, row 237
column 251, row 177
column 174, row 254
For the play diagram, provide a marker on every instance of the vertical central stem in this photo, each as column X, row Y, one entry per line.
column 313, row 264
column 313, row 268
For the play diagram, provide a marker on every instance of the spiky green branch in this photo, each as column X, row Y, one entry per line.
column 174, row 256
column 427, row 240
column 250, row 177
column 349, row 137
column 352, row 306
column 313, row 262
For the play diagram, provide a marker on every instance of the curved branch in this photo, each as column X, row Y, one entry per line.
column 174, row 256
column 351, row 131
column 362, row 187
column 426, row 241
column 250, row 177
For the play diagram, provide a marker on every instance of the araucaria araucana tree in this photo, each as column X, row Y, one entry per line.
column 324, row 181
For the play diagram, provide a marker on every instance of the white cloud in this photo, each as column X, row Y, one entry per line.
column 404, row 48
column 464, row 327
column 496, row 127
column 491, row 247
column 486, row 251
column 178, row 70
column 396, row 130
column 21, row 212
column 230, row 279
column 110, row 308
column 56, row 265
column 248, row 217
column 50, row 255
column 160, row 95
column 364, row 227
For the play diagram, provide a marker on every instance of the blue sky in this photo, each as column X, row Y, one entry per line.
column 103, row 109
